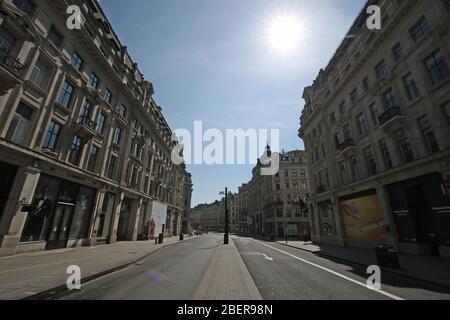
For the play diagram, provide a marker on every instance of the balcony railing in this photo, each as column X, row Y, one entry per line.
column 346, row 144
column 11, row 64
column 321, row 189
column 85, row 121
column 391, row 113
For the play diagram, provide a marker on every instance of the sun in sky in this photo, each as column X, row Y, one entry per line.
column 284, row 32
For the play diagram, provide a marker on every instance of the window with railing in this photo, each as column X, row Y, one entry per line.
column 411, row 87
column 362, row 125
column 93, row 81
column 397, row 52
column 66, row 94
column 51, row 139
column 437, row 67
column 381, row 69
column 75, row 150
column 7, row 40
column 375, row 115
column 386, row 154
column 428, row 134
column 404, row 145
column 76, row 61
column 20, row 123
column 26, row 6
column 370, row 161
column 420, row 29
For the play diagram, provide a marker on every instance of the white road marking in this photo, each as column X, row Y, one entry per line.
column 387, row 294
column 267, row 257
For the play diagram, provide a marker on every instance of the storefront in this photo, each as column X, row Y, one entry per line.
column 362, row 217
column 61, row 213
column 421, row 210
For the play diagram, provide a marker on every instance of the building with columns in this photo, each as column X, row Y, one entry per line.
column 376, row 125
column 85, row 151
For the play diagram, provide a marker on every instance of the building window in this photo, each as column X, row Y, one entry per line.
column 437, row 67
column 375, row 115
column 420, row 29
column 66, row 94
column 410, row 86
column 390, row 100
column 108, row 96
column 446, row 108
column 294, row 173
column 348, row 132
column 18, row 129
column 343, row 107
column 76, row 61
column 75, row 150
column 38, row 74
column 337, row 140
column 381, row 69
column 7, row 40
column 93, row 81
column 370, row 160
column 332, row 118
column 447, row 4
column 344, row 172
column 386, row 154
column 51, row 139
column 366, row 84
column 355, row 168
column 93, row 154
column 428, row 134
column 404, row 145
column 122, row 110
column 397, row 51
column 25, row 5
column 101, row 123
column 362, row 125
column 354, row 95
column 112, row 167
column 117, row 135
column 279, row 213
column 54, row 36
column 85, row 112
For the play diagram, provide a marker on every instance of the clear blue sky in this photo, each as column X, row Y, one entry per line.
column 208, row 60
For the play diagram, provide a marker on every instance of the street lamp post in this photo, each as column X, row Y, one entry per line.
column 226, row 235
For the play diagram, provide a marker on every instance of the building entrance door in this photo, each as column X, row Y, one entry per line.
column 60, row 227
column 422, row 217
column 7, row 175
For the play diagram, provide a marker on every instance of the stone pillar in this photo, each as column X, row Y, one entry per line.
column 388, row 218
column 112, row 238
column 22, row 191
column 93, row 228
column 134, row 219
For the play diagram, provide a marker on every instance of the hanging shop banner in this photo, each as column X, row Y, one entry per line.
column 363, row 218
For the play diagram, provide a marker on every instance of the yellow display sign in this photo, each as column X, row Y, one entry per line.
column 363, row 219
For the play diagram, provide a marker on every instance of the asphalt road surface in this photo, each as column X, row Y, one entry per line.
column 172, row 273
column 279, row 272
column 282, row 272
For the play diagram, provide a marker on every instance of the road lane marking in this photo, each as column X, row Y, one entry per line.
column 387, row 294
column 267, row 257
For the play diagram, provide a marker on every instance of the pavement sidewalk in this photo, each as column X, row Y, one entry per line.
column 25, row 275
column 227, row 277
column 425, row 268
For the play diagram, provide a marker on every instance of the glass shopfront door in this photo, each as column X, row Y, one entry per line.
column 61, row 224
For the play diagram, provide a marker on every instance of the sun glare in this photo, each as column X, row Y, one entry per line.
column 284, row 33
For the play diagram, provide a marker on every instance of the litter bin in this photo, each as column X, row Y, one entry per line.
column 181, row 237
column 161, row 238
column 387, row 257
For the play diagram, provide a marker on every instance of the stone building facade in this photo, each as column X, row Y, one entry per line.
column 85, row 151
column 376, row 125
column 276, row 205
